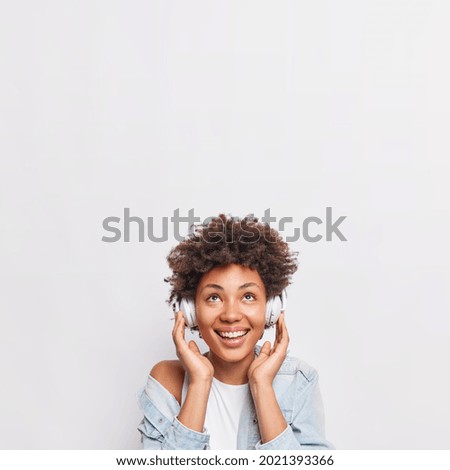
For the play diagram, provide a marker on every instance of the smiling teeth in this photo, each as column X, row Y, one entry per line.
column 232, row 334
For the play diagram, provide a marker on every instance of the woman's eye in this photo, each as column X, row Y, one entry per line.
column 252, row 297
column 213, row 297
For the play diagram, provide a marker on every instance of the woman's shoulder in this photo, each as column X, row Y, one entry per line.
column 170, row 374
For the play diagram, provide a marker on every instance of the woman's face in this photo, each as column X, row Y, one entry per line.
column 230, row 307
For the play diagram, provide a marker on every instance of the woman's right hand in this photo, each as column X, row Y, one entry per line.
column 197, row 366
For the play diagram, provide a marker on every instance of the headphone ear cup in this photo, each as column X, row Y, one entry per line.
column 193, row 312
column 175, row 306
column 283, row 297
column 274, row 307
column 269, row 312
column 187, row 306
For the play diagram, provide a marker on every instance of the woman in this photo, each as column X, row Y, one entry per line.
column 232, row 274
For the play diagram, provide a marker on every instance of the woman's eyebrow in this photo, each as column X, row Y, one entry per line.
column 244, row 286
column 249, row 284
column 214, row 286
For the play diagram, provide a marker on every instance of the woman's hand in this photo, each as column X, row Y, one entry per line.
column 265, row 367
column 198, row 367
column 200, row 372
column 262, row 371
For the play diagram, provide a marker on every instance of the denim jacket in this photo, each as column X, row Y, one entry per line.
column 296, row 388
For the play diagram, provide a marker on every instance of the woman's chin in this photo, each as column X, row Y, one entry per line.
column 234, row 354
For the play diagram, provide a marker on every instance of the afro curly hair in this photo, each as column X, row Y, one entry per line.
column 229, row 240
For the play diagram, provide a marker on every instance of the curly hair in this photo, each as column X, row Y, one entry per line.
column 228, row 240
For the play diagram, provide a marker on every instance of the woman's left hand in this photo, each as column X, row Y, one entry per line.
column 266, row 366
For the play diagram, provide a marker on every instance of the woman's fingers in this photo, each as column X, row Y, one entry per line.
column 278, row 333
column 193, row 346
column 282, row 337
column 178, row 330
column 265, row 348
column 176, row 322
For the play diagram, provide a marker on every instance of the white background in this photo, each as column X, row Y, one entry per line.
column 236, row 107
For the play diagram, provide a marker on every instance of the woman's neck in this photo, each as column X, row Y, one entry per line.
column 233, row 373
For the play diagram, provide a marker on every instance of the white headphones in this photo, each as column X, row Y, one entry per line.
column 274, row 307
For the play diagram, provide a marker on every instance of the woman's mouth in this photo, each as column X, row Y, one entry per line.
column 232, row 338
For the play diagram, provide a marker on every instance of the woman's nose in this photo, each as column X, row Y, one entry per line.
column 231, row 312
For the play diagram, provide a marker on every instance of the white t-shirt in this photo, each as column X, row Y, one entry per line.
column 225, row 404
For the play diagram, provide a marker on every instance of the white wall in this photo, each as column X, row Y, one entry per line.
column 233, row 106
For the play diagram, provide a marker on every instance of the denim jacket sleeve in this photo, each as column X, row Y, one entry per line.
column 160, row 428
column 306, row 426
